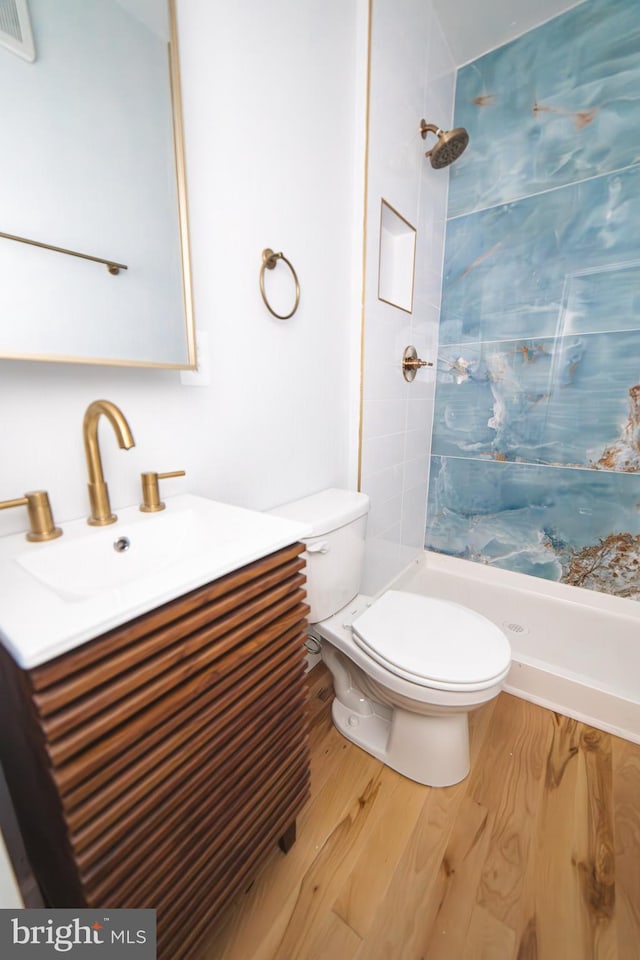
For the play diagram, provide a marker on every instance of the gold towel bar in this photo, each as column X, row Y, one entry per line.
column 269, row 260
column 111, row 265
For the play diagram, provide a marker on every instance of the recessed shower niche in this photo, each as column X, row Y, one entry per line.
column 397, row 258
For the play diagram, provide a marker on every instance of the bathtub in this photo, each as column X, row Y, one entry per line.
column 575, row 651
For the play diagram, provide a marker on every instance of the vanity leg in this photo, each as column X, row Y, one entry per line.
column 288, row 838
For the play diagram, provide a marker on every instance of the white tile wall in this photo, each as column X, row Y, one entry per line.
column 412, row 76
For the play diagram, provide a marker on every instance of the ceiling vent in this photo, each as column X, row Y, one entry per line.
column 15, row 29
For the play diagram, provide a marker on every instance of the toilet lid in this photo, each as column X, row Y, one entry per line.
column 432, row 642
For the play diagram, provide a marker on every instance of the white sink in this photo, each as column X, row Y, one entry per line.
column 114, row 556
column 59, row 594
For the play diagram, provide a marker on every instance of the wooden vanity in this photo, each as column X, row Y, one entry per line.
column 156, row 765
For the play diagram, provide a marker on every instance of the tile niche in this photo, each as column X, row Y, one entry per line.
column 396, row 267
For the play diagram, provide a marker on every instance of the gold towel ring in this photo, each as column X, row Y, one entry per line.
column 269, row 260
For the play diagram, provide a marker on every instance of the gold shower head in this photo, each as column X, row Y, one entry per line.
column 450, row 144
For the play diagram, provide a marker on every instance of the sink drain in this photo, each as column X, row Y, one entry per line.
column 514, row 627
column 121, row 545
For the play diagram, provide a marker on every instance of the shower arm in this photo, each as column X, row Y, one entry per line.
column 426, row 128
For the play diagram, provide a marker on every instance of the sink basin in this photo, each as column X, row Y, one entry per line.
column 114, row 556
column 59, row 594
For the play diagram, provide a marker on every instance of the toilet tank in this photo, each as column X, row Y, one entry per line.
column 335, row 548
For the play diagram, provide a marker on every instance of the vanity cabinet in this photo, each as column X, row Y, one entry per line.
column 156, row 765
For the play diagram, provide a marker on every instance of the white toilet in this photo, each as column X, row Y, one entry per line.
column 407, row 668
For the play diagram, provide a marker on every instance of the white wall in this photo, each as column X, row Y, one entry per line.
column 274, row 121
column 472, row 28
column 412, row 76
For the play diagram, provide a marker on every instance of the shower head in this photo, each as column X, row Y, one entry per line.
column 450, row 144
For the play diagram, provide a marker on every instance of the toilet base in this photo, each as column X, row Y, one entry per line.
column 432, row 750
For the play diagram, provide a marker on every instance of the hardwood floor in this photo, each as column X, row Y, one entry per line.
column 535, row 856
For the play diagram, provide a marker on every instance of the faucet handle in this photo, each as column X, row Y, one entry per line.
column 151, row 501
column 41, row 525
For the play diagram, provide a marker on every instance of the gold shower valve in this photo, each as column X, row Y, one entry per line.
column 411, row 363
column 151, row 502
column 41, row 524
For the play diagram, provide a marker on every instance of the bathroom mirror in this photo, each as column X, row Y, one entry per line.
column 93, row 173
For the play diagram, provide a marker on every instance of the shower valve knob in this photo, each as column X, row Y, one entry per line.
column 411, row 363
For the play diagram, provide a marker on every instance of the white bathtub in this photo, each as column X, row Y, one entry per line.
column 574, row 651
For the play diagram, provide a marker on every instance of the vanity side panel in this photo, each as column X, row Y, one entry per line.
column 33, row 791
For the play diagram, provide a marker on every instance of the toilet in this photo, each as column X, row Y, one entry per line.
column 407, row 668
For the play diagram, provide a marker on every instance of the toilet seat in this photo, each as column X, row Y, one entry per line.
column 433, row 643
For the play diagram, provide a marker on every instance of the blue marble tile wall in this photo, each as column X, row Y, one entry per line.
column 536, row 444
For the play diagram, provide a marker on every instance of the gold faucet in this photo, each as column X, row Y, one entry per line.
column 101, row 514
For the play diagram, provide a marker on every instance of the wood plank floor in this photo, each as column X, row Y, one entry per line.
column 535, row 856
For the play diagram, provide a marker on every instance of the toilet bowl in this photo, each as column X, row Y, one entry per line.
column 407, row 668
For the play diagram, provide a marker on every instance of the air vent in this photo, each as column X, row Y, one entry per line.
column 15, row 29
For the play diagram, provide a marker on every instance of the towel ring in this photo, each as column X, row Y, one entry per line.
column 269, row 260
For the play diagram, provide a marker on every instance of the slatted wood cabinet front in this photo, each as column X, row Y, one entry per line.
column 156, row 765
